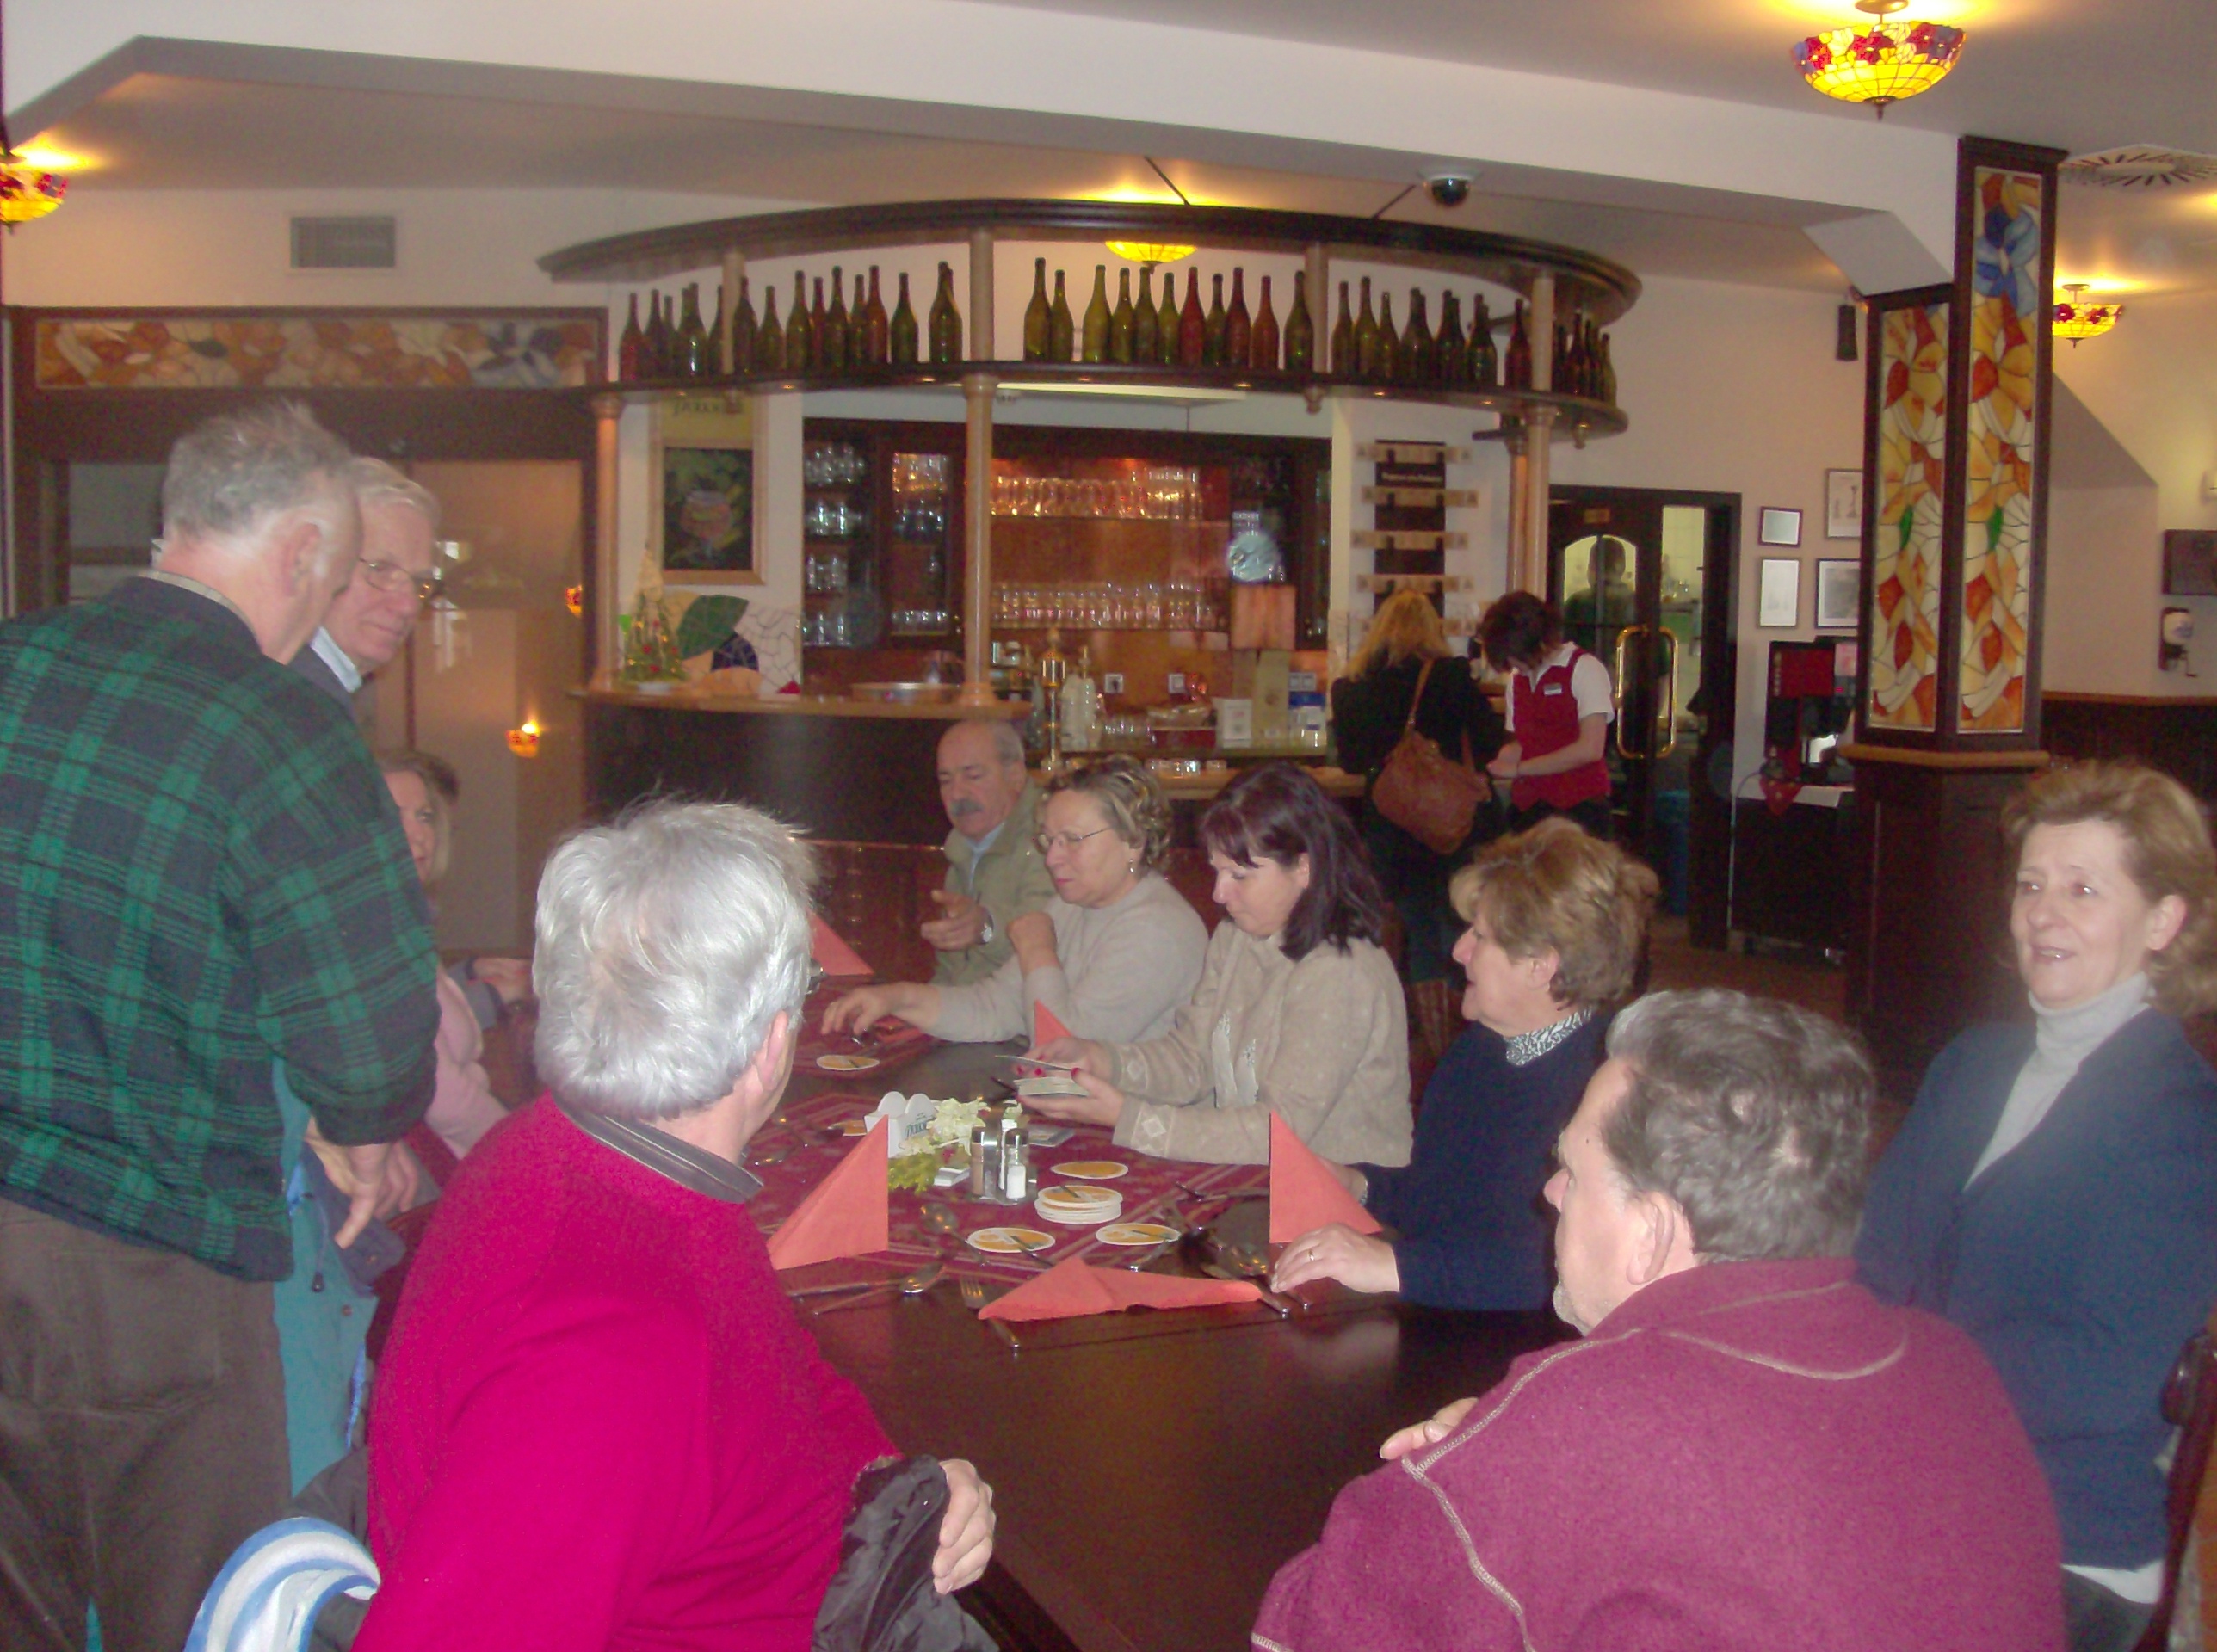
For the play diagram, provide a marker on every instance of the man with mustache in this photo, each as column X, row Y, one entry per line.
column 994, row 873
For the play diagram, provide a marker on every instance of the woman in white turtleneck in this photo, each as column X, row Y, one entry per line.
column 2054, row 1189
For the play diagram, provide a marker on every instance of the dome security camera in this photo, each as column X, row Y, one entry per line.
column 1448, row 188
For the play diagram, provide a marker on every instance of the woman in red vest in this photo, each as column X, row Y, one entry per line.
column 1559, row 710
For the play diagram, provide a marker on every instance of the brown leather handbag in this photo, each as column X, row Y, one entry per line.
column 1432, row 799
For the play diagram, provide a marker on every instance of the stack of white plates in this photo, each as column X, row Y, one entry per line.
column 1079, row 1207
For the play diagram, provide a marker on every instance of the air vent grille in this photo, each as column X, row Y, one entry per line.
column 2141, row 166
column 345, row 243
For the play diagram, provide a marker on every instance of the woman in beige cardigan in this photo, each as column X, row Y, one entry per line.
column 1297, row 1012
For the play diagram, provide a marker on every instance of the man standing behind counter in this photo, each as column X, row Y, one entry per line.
column 205, row 876
column 994, row 873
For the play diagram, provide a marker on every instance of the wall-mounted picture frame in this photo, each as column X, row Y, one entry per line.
column 1839, row 592
column 703, row 521
column 1844, row 504
column 1778, row 526
column 1778, row 594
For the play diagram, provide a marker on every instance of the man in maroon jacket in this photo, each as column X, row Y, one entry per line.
column 1746, row 1449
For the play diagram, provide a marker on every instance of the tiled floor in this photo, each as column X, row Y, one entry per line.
column 1674, row 962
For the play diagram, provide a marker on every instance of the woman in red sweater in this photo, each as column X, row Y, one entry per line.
column 1560, row 709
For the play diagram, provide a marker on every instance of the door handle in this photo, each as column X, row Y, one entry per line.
column 1623, row 637
column 1669, row 716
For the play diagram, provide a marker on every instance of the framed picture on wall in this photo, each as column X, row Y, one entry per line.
column 1778, row 594
column 1839, row 592
column 1778, row 526
column 1844, row 504
column 703, row 523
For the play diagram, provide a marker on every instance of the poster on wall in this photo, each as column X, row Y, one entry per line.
column 703, row 526
column 1844, row 504
column 1839, row 592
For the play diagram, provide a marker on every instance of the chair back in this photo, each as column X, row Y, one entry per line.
column 2190, row 1404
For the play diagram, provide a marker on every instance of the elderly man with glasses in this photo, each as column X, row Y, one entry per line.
column 370, row 620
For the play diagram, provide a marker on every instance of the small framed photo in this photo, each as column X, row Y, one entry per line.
column 1844, row 507
column 1778, row 594
column 1839, row 592
column 1779, row 526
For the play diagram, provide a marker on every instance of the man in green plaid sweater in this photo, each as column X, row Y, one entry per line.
column 203, row 876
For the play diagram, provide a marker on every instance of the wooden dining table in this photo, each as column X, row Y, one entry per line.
column 1152, row 1470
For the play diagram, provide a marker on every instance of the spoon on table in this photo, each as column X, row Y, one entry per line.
column 941, row 1220
column 912, row 1285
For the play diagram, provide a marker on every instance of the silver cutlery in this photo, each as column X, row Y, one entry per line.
column 913, row 1284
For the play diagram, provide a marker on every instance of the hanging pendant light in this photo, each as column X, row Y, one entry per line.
column 28, row 188
column 1880, row 62
column 2075, row 318
column 1149, row 253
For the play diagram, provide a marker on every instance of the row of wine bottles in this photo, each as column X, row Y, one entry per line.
column 1365, row 344
column 817, row 339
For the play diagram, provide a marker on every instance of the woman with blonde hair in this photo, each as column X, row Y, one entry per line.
column 1403, row 661
column 2054, row 1190
column 1556, row 922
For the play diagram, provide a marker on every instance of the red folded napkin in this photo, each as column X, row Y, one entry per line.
column 847, row 1215
column 835, row 955
column 1070, row 1290
column 1046, row 1025
column 1304, row 1195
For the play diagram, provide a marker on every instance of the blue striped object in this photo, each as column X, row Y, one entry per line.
column 268, row 1594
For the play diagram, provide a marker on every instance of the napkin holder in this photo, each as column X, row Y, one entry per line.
column 907, row 1120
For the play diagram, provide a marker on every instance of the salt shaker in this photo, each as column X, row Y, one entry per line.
column 984, row 1161
column 1015, row 1162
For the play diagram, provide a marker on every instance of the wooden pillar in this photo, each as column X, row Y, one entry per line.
column 977, row 532
column 607, row 656
column 1955, row 464
column 735, row 269
column 1518, row 439
column 1543, row 331
column 981, row 296
column 1539, row 440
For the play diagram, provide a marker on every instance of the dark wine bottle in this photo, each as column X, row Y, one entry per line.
column 699, row 351
column 630, row 348
column 1145, row 345
column 1193, row 327
column 1343, row 356
column 1212, row 328
column 1262, row 344
column 1094, row 346
column 1606, row 392
column 874, row 325
column 1450, row 349
column 902, row 338
column 1484, row 369
column 1518, row 366
column 832, row 325
column 945, row 321
column 716, row 334
column 1366, row 337
column 1300, row 327
column 1168, row 322
column 800, row 335
column 1593, row 359
column 1558, row 359
column 655, row 358
column 1238, row 325
column 769, row 337
column 1061, row 330
column 742, row 331
column 1123, row 324
column 1389, row 341
column 1419, row 366
column 1036, row 315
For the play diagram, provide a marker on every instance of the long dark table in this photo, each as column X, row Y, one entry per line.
column 1149, row 1488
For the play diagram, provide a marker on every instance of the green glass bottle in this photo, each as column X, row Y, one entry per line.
column 1094, row 346
column 654, row 357
column 945, row 321
column 832, row 341
column 1450, row 349
column 631, row 348
column 1123, row 322
column 820, row 328
column 1061, row 330
column 1036, row 315
column 1166, row 321
column 874, row 326
column 713, row 363
column 1193, row 326
column 1144, row 345
column 1419, row 365
column 1215, row 326
column 769, row 337
column 903, row 340
column 1238, row 326
column 1518, row 366
column 1300, row 327
column 742, row 331
column 1389, row 342
column 1484, row 370
column 1608, row 390
column 1343, row 338
column 799, row 337
column 1366, row 337
column 1263, row 343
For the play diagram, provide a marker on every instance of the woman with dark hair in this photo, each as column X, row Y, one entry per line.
column 1297, row 1012
column 1560, row 705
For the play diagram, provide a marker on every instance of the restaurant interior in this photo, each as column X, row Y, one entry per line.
column 713, row 556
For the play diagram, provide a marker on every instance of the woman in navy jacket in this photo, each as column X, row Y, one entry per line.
column 2054, row 1190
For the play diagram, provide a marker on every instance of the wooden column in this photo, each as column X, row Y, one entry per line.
column 1518, row 440
column 1539, row 440
column 608, row 657
column 981, row 296
column 978, row 531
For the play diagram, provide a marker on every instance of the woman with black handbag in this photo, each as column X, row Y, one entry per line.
column 1371, row 709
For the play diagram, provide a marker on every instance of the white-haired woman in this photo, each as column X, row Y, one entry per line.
column 598, row 1421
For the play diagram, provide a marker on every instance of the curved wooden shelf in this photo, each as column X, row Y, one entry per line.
column 1574, row 416
column 1585, row 281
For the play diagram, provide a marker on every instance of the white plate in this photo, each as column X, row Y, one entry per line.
column 1136, row 1234
column 1009, row 1241
column 1079, row 1216
column 846, row 1063
column 1092, row 1169
column 1080, row 1197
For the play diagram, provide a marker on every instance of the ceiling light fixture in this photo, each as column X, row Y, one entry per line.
column 1880, row 62
column 1148, row 254
column 2075, row 318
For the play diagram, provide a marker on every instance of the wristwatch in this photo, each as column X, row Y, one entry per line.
column 986, row 936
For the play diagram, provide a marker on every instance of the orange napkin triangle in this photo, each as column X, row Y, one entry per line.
column 1046, row 1025
column 847, row 1215
column 835, row 955
column 1305, row 1195
column 1071, row 1290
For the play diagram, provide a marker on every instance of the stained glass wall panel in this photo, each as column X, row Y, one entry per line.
column 1912, row 457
